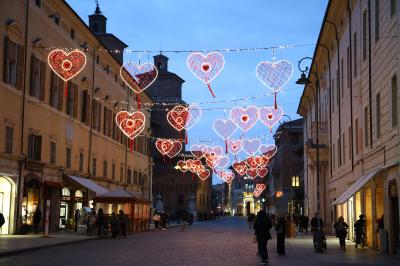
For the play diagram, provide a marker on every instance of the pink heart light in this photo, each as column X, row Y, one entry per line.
column 224, row 128
column 138, row 78
column 235, row 146
column 244, row 118
column 197, row 150
column 206, row 67
column 274, row 75
column 270, row 115
column 268, row 150
column 226, row 176
column 251, row 146
column 194, row 114
column 223, row 161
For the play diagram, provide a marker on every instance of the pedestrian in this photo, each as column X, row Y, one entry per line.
column 317, row 225
column 341, row 231
column 114, row 222
column 123, row 221
column 2, row 220
column 381, row 232
column 156, row 219
column 37, row 217
column 301, row 223
column 76, row 219
column 280, row 229
column 359, row 228
column 305, row 223
column 262, row 225
column 184, row 218
column 163, row 221
column 250, row 220
column 100, row 221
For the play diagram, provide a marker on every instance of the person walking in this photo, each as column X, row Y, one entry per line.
column 341, row 231
column 156, row 219
column 250, row 220
column 306, row 220
column 317, row 225
column 280, row 229
column 123, row 221
column 359, row 228
column 262, row 225
column 114, row 222
column 76, row 219
column 100, row 222
column 37, row 217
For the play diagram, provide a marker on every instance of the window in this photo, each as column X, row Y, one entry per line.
column 38, row 77
column 121, row 173
column 94, row 167
column 394, row 102
column 393, row 8
column 129, row 176
column 68, row 158
column 35, row 147
column 378, row 115
column 376, row 20
column 355, row 54
column 105, row 169
column 97, row 115
column 72, row 100
column 135, row 177
column 81, row 160
column 85, row 107
column 56, row 18
column 38, row 3
column 53, row 150
column 295, row 181
column 9, row 139
column 72, row 33
column 113, row 171
column 13, row 63
column 56, row 91
column 366, row 126
column 364, row 40
column 107, row 122
column 356, row 135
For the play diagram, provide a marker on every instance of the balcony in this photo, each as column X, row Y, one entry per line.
column 311, row 144
column 322, row 132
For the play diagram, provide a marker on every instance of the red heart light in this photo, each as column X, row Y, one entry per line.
column 66, row 65
column 131, row 124
column 138, row 78
column 204, row 174
column 179, row 117
column 240, row 167
column 261, row 172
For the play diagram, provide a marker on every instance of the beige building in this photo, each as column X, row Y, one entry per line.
column 357, row 114
column 65, row 149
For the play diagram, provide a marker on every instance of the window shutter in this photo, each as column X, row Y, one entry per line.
column 42, row 80
column 110, row 123
column 5, row 65
column 32, row 76
column 30, row 146
column 75, row 101
column 88, row 109
column 61, row 85
column 38, row 147
column 20, row 67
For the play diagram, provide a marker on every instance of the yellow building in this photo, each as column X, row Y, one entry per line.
column 352, row 109
column 56, row 147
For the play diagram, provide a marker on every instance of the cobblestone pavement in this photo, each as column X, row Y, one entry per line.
column 227, row 242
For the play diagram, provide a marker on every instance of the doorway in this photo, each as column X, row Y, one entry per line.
column 6, row 205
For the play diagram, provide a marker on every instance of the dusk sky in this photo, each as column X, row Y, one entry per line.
column 161, row 25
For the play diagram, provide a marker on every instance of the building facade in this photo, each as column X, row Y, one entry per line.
column 176, row 188
column 62, row 147
column 351, row 118
column 287, row 169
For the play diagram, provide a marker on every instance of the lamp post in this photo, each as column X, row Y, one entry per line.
column 303, row 80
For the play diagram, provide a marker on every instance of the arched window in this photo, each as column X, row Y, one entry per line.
column 78, row 194
column 65, row 192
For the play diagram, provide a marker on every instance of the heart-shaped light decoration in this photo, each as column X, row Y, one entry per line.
column 263, row 160
column 179, row 117
column 251, row 146
column 182, row 165
column 235, row 146
column 194, row 114
column 268, row 150
column 252, row 172
column 259, row 189
column 131, row 124
column 197, row 150
column 240, row 167
column 164, row 145
column 223, row 161
column 66, row 65
column 206, row 67
column 226, row 176
column 274, row 75
column 270, row 115
column 194, row 166
column 176, row 148
column 203, row 174
column 244, row 118
column 224, row 128
column 253, row 161
column 138, row 78
column 262, row 172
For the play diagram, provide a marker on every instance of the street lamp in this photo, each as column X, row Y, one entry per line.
column 303, row 80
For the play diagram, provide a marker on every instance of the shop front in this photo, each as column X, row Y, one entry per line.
column 7, row 204
column 134, row 207
column 31, row 201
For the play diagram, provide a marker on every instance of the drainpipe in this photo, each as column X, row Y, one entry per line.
column 126, row 144
column 338, row 77
column 369, row 73
column 91, row 114
column 351, row 86
column 22, row 161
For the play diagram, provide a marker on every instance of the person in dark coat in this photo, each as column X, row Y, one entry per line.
column 100, row 221
column 262, row 225
column 306, row 220
column 114, row 222
column 123, row 221
column 37, row 217
column 280, row 229
column 359, row 228
column 76, row 219
column 341, row 232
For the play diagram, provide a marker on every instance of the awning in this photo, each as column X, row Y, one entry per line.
column 118, row 195
column 89, row 184
column 355, row 187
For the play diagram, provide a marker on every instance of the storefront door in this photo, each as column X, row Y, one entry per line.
column 6, row 193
